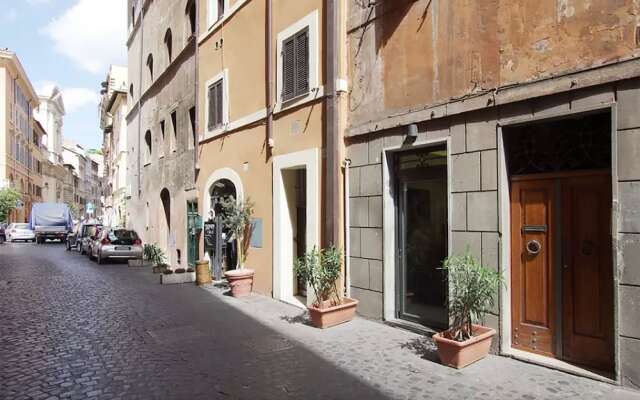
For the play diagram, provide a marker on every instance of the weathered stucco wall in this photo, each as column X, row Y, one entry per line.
column 405, row 54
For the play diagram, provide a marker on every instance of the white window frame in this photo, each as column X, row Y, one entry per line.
column 224, row 75
column 213, row 13
column 311, row 22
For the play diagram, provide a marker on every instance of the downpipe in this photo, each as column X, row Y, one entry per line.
column 347, row 233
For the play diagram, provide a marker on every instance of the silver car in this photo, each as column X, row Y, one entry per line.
column 116, row 243
column 20, row 231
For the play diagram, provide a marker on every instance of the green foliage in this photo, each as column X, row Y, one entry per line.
column 321, row 270
column 73, row 209
column 154, row 254
column 8, row 199
column 237, row 219
column 472, row 289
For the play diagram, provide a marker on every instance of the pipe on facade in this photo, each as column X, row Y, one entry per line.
column 269, row 72
column 347, row 231
column 331, row 167
column 139, row 98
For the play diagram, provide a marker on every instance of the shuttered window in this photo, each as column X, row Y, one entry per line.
column 295, row 65
column 215, row 105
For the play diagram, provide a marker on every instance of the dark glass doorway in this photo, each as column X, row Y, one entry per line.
column 421, row 178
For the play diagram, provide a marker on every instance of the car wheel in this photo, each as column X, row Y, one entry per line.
column 33, row 240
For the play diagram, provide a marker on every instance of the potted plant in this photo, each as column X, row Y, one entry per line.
column 472, row 288
column 321, row 270
column 154, row 254
column 179, row 275
column 237, row 220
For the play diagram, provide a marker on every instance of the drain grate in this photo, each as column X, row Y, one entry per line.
column 269, row 344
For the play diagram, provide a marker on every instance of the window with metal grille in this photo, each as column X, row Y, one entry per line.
column 215, row 108
column 295, row 65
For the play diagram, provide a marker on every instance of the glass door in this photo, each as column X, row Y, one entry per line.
column 422, row 221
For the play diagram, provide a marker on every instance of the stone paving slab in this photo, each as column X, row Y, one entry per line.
column 404, row 365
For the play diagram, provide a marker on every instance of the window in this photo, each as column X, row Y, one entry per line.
column 174, row 124
column 215, row 11
column 150, row 66
column 191, row 11
column 168, row 42
column 161, row 150
column 215, row 109
column 147, row 139
column 295, row 65
column 192, row 120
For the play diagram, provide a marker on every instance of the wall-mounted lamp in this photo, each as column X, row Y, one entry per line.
column 412, row 133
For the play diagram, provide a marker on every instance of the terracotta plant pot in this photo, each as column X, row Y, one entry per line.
column 203, row 274
column 240, row 281
column 334, row 315
column 460, row 354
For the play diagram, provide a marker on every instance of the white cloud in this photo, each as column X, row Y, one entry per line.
column 74, row 98
column 92, row 33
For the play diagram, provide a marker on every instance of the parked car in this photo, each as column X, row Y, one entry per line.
column 73, row 236
column 89, row 241
column 89, row 233
column 20, row 231
column 117, row 243
column 3, row 236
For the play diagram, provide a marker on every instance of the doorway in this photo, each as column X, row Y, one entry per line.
column 422, row 216
column 295, row 188
column 561, row 243
column 225, row 255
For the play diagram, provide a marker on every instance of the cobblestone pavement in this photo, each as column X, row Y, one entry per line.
column 70, row 328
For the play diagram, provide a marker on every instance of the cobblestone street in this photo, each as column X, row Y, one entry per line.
column 74, row 329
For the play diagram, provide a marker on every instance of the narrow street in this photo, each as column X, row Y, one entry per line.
column 75, row 329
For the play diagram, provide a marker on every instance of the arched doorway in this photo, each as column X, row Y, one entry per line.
column 225, row 252
column 165, row 223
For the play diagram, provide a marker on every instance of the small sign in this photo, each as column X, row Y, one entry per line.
column 209, row 236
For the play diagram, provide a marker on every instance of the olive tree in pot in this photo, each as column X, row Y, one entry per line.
column 321, row 270
column 237, row 220
column 472, row 289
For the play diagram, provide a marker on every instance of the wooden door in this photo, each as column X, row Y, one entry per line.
column 587, row 273
column 532, row 291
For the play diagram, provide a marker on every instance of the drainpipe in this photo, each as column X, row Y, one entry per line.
column 269, row 72
column 139, row 96
column 196, row 125
column 347, row 231
column 332, row 171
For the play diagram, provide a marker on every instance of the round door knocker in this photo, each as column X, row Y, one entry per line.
column 533, row 247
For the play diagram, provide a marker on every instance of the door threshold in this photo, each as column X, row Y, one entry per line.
column 559, row 365
column 411, row 326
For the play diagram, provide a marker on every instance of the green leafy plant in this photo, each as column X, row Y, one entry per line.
column 472, row 289
column 154, row 254
column 8, row 201
column 237, row 219
column 321, row 270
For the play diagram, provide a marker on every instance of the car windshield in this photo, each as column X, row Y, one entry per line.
column 90, row 230
column 22, row 226
column 122, row 236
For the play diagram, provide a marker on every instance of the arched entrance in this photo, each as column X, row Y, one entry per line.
column 165, row 223
column 225, row 252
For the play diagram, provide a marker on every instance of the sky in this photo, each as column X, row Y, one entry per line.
column 70, row 44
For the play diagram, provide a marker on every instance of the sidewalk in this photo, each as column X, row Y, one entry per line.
column 404, row 365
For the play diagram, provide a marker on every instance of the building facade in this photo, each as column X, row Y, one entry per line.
column 268, row 130
column 512, row 133
column 160, row 122
column 18, row 152
column 50, row 114
column 113, row 112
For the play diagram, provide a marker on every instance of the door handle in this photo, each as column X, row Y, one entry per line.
column 533, row 247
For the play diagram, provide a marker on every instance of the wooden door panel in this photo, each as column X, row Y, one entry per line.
column 532, row 294
column 587, row 271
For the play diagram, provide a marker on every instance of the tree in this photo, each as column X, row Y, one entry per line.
column 9, row 198
column 73, row 209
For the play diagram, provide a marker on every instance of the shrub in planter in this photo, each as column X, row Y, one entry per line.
column 180, row 271
column 167, row 272
column 237, row 219
column 154, row 254
column 190, row 269
column 321, row 270
column 472, row 289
